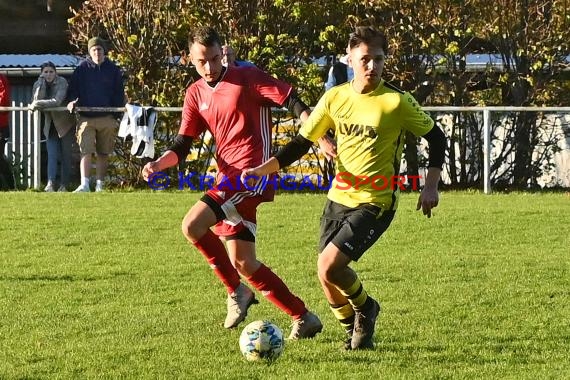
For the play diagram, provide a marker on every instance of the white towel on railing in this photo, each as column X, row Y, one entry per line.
column 139, row 123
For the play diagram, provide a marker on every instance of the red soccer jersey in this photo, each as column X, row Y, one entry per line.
column 237, row 113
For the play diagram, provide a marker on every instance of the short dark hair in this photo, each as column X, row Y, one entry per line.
column 47, row 64
column 369, row 36
column 204, row 35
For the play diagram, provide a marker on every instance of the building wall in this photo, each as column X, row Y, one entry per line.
column 26, row 26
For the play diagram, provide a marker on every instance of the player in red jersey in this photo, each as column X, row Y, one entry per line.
column 233, row 104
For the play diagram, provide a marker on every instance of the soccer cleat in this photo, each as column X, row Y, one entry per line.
column 62, row 189
column 49, row 187
column 307, row 326
column 82, row 189
column 364, row 322
column 238, row 303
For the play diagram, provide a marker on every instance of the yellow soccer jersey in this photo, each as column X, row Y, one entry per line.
column 370, row 134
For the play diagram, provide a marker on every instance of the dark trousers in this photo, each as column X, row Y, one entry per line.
column 6, row 174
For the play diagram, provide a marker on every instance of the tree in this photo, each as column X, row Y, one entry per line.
column 148, row 41
column 532, row 37
column 429, row 42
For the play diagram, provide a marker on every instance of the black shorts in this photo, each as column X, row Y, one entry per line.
column 353, row 230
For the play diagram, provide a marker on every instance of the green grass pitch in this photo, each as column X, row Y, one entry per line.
column 105, row 286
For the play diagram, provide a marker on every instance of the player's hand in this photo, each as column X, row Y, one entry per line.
column 71, row 106
column 149, row 169
column 429, row 199
column 249, row 177
column 327, row 145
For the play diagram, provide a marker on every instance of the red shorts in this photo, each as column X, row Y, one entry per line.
column 240, row 209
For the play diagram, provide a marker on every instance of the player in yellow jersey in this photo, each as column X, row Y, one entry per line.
column 370, row 118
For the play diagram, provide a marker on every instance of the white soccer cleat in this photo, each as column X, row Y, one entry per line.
column 307, row 326
column 238, row 303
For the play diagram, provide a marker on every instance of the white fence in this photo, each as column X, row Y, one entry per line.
column 24, row 146
column 489, row 143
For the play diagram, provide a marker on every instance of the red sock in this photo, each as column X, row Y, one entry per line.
column 275, row 290
column 215, row 253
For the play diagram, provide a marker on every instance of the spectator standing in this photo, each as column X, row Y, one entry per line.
column 50, row 90
column 96, row 82
column 6, row 176
column 339, row 73
column 229, row 58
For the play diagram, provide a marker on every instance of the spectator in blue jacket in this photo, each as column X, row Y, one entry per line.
column 339, row 73
column 96, row 82
column 229, row 58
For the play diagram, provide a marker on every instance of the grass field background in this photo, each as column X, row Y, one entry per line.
column 105, row 286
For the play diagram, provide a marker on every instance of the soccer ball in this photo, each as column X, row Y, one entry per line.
column 261, row 340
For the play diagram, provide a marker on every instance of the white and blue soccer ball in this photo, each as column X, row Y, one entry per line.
column 261, row 340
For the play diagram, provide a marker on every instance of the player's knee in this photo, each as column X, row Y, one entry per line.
column 247, row 266
column 184, row 227
column 192, row 229
column 325, row 270
column 331, row 271
column 241, row 267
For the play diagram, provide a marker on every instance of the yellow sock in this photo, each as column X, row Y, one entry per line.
column 356, row 295
column 344, row 314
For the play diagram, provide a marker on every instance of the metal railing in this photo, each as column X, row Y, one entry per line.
column 24, row 145
column 25, row 142
column 486, row 112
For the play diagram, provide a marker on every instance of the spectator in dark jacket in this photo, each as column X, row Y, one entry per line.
column 339, row 73
column 96, row 82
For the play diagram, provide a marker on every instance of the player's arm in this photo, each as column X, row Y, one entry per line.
column 291, row 152
column 327, row 145
column 176, row 153
column 429, row 197
column 297, row 106
column 302, row 111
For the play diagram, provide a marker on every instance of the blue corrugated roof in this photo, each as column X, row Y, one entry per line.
column 35, row 60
